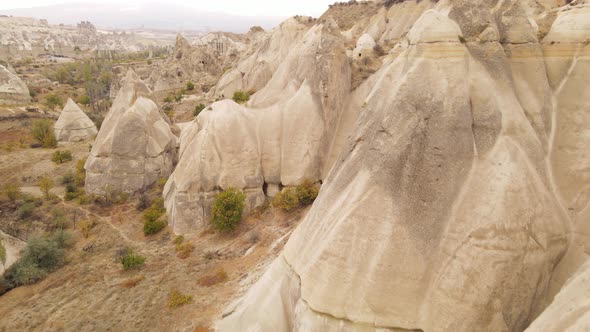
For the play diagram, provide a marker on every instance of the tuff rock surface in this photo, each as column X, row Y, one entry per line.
column 136, row 143
column 12, row 89
column 459, row 202
column 286, row 135
column 73, row 124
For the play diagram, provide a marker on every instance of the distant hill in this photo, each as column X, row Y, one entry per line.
column 149, row 16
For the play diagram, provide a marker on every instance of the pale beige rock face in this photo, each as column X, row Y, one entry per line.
column 285, row 138
column 261, row 60
column 73, row 124
column 451, row 205
column 12, row 89
column 135, row 146
column 13, row 248
column 570, row 310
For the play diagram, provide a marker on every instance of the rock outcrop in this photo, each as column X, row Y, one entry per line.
column 570, row 310
column 136, row 143
column 25, row 36
column 12, row 89
column 201, row 64
column 451, row 206
column 13, row 247
column 285, row 137
column 73, row 124
column 266, row 53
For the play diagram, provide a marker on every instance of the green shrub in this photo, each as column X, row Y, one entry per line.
column 241, row 97
column 60, row 157
column 287, row 199
column 227, row 208
column 52, row 101
column 190, row 86
column 59, row 218
column 63, row 239
column 178, row 96
column 80, row 175
column 168, row 98
column 25, row 211
column 45, row 185
column 198, row 109
column 42, row 131
column 153, row 217
column 12, row 191
column 153, row 227
column 306, row 192
column 131, row 260
column 84, row 100
column 43, row 254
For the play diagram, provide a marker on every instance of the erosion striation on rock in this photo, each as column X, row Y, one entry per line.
column 284, row 137
column 460, row 199
column 73, row 124
column 136, row 143
column 12, row 89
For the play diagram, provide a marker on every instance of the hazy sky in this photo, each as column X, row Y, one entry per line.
column 239, row 7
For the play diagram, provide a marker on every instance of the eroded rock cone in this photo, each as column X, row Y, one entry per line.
column 73, row 124
column 12, row 89
column 136, row 144
column 286, row 139
column 448, row 211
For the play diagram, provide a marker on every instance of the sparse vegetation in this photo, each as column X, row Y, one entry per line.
column 287, row 199
column 60, row 157
column 154, row 217
column 198, row 109
column 52, row 101
column 241, row 97
column 12, row 191
column 293, row 197
column 190, row 86
column 45, row 185
column 177, row 299
column 42, row 131
column 130, row 260
column 85, row 227
column 227, row 208
column 42, row 255
column 306, row 192
column 183, row 249
column 213, row 279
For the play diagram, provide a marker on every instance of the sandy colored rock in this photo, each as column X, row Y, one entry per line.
column 12, row 89
column 73, row 124
column 13, row 247
column 443, row 212
column 283, row 139
column 267, row 52
column 136, row 143
column 570, row 310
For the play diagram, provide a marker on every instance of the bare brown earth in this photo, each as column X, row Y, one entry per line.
column 93, row 293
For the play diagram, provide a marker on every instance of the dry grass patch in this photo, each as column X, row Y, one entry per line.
column 177, row 299
column 213, row 279
column 132, row 282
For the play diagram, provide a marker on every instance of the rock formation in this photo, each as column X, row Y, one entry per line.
column 570, row 310
column 13, row 247
column 24, row 36
column 258, row 64
column 12, row 89
column 73, row 124
column 285, row 137
column 136, row 143
column 461, row 189
column 201, row 64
